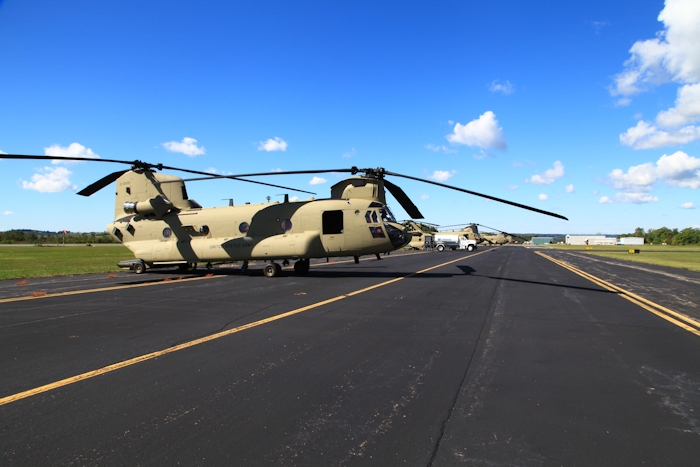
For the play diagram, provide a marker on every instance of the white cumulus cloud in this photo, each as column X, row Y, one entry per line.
column 543, row 197
column 549, row 176
column 483, row 132
column 442, row 175
column 50, row 180
column 276, row 144
column 318, row 181
column 672, row 56
column 569, row 188
column 647, row 136
column 188, row 146
column 679, row 170
column 73, row 150
column 687, row 206
column 9, row 213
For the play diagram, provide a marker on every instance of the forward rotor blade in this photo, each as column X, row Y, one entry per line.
column 493, row 198
column 403, row 200
column 101, row 183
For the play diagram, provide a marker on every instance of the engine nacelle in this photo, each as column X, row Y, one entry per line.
column 158, row 206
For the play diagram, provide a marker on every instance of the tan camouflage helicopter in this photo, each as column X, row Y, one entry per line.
column 471, row 231
column 421, row 234
column 156, row 220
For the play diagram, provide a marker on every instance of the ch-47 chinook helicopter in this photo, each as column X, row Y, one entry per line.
column 156, row 220
column 471, row 231
column 421, row 234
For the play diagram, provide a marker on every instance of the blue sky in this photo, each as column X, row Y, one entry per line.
column 589, row 109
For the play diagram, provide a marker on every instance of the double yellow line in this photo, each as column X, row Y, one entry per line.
column 218, row 335
column 671, row 316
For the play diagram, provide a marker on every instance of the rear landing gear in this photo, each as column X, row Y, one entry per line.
column 301, row 266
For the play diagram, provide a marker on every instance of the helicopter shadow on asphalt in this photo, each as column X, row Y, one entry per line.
column 469, row 271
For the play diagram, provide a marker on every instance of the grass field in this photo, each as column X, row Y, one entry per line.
column 24, row 262
column 683, row 257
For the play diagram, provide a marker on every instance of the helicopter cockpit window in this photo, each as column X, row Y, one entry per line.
column 375, row 219
column 387, row 215
column 368, row 216
column 332, row 222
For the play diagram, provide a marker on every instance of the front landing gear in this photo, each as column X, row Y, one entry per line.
column 272, row 270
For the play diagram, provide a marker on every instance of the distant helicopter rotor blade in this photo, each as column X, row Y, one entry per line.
column 403, row 200
column 101, row 183
column 493, row 198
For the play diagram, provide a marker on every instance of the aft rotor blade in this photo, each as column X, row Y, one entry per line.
column 101, row 183
column 403, row 200
column 209, row 176
column 493, row 198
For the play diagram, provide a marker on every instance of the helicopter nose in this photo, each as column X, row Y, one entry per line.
column 398, row 234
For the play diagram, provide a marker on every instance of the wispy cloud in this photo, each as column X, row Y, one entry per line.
column 569, row 188
column 549, row 176
column 318, row 181
column 439, row 148
column 503, row 87
column 10, row 213
column 687, row 206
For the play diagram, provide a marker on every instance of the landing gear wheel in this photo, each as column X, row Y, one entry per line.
column 471, row 248
column 209, row 266
column 187, row 267
column 270, row 270
column 244, row 267
column 140, row 267
column 301, row 266
column 440, row 248
column 278, row 268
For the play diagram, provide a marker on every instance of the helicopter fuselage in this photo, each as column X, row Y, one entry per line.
column 272, row 231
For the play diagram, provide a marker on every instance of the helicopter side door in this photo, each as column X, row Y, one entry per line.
column 332, row 230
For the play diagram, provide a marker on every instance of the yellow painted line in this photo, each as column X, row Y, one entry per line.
column 680, row 320
column 148, row 284
column 218, row 335
column 105, row 289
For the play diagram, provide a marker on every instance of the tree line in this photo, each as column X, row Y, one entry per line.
column 40, row 238
column 668, row 236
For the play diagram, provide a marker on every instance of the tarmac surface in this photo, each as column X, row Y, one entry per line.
column 500, row 356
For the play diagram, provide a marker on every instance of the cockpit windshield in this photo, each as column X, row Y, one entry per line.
column 387, row 215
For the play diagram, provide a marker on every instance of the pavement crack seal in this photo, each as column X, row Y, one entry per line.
column 671, row 316
column 491, row 312
column 202, row 340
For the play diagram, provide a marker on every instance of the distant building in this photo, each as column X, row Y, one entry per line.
column 631, row 241
column 542, row 240
column 586, row 239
